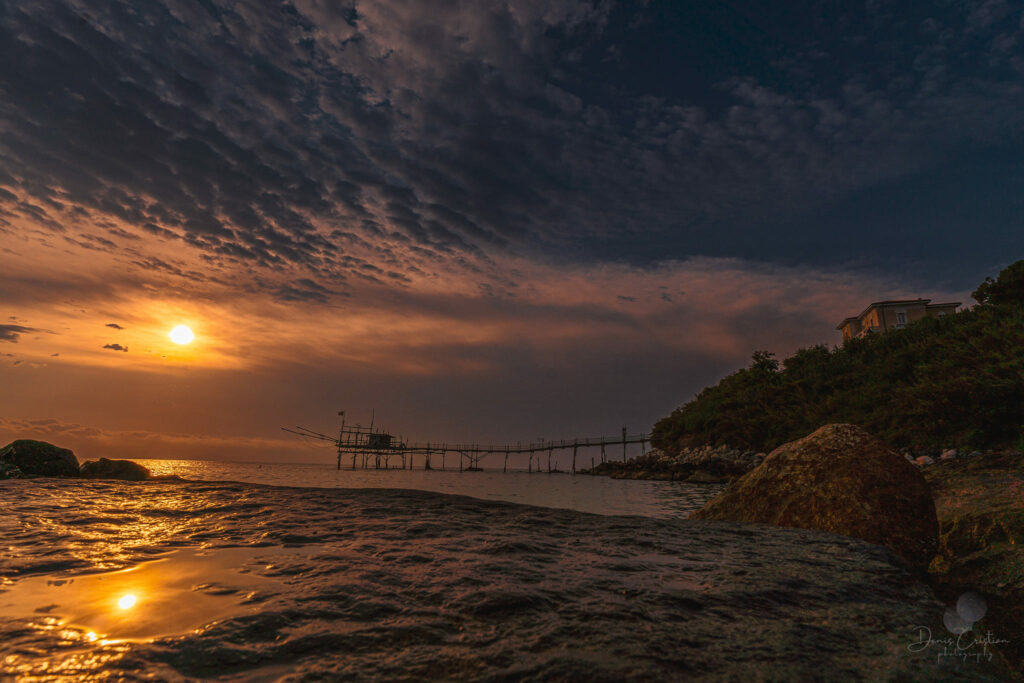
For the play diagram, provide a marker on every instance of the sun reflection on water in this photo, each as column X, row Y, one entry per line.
column 92, row 620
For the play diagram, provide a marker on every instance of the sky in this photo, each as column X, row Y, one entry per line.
column 487, row 220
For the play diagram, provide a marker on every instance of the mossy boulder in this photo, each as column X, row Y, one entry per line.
column 40, row 458
column 105, row 468
column 839, row 479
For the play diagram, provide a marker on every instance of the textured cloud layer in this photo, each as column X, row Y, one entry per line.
column 414, row 203
column 370, row 140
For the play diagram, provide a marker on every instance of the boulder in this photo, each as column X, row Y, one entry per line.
column 948, row 454
column 842, row 480
column 924, row 460
column 105, row 468
column 40, row 458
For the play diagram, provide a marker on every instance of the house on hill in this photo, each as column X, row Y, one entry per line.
column 883, row 316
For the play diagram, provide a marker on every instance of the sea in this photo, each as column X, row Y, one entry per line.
column 272, row 572
column 594, row 494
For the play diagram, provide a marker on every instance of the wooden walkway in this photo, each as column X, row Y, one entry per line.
column 377, row 450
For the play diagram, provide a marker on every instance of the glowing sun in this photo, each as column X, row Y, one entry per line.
column 181, row 335
column 126, row 601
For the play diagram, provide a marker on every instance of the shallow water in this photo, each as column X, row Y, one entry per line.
column 599, row 495
column 249, row 582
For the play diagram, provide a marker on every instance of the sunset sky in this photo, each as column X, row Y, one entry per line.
column 486, row 220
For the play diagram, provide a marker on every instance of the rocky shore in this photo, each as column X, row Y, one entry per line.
column 957, row 522
column 706, row 465
column 980, row 506
column 27, row 459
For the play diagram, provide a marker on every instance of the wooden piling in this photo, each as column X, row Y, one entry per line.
column 471, row 455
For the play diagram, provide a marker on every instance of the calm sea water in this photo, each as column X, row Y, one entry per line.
column 320, row 580
column 599, row 495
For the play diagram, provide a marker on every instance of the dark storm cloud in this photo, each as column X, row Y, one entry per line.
column 116, row 347
column 11, row 333
column 115, row 326
column 286, row 135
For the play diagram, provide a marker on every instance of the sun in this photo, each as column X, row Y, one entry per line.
column 126, row 601
column 181, row 335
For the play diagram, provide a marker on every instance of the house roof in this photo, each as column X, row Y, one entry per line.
column 845, row 321
column 894, row 302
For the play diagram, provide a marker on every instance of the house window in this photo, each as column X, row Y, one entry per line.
column 901, row 319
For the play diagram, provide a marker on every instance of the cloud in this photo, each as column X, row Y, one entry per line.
column 11, row 333
column 89, row 442
column 401, row 136
column 401, row 195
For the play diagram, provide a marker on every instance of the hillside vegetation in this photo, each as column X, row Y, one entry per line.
column 951, row 381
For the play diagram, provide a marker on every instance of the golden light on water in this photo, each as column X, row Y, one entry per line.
column 181, row 335
column 126, row 601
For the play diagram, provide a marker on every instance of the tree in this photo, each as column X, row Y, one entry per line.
column 764, row 361
column 1006, row 289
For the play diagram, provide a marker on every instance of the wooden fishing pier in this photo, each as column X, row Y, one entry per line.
column 374, row 448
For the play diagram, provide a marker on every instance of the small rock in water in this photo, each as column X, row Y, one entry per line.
column 924, row 460
column 114, row 469
column 40, row 458
column 948, row 454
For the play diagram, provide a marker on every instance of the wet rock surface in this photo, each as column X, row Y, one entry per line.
column 980, row 506
column 842, row 480
column 105, row 468
column 406, row 585
column 707, row 464
column 40, row 458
